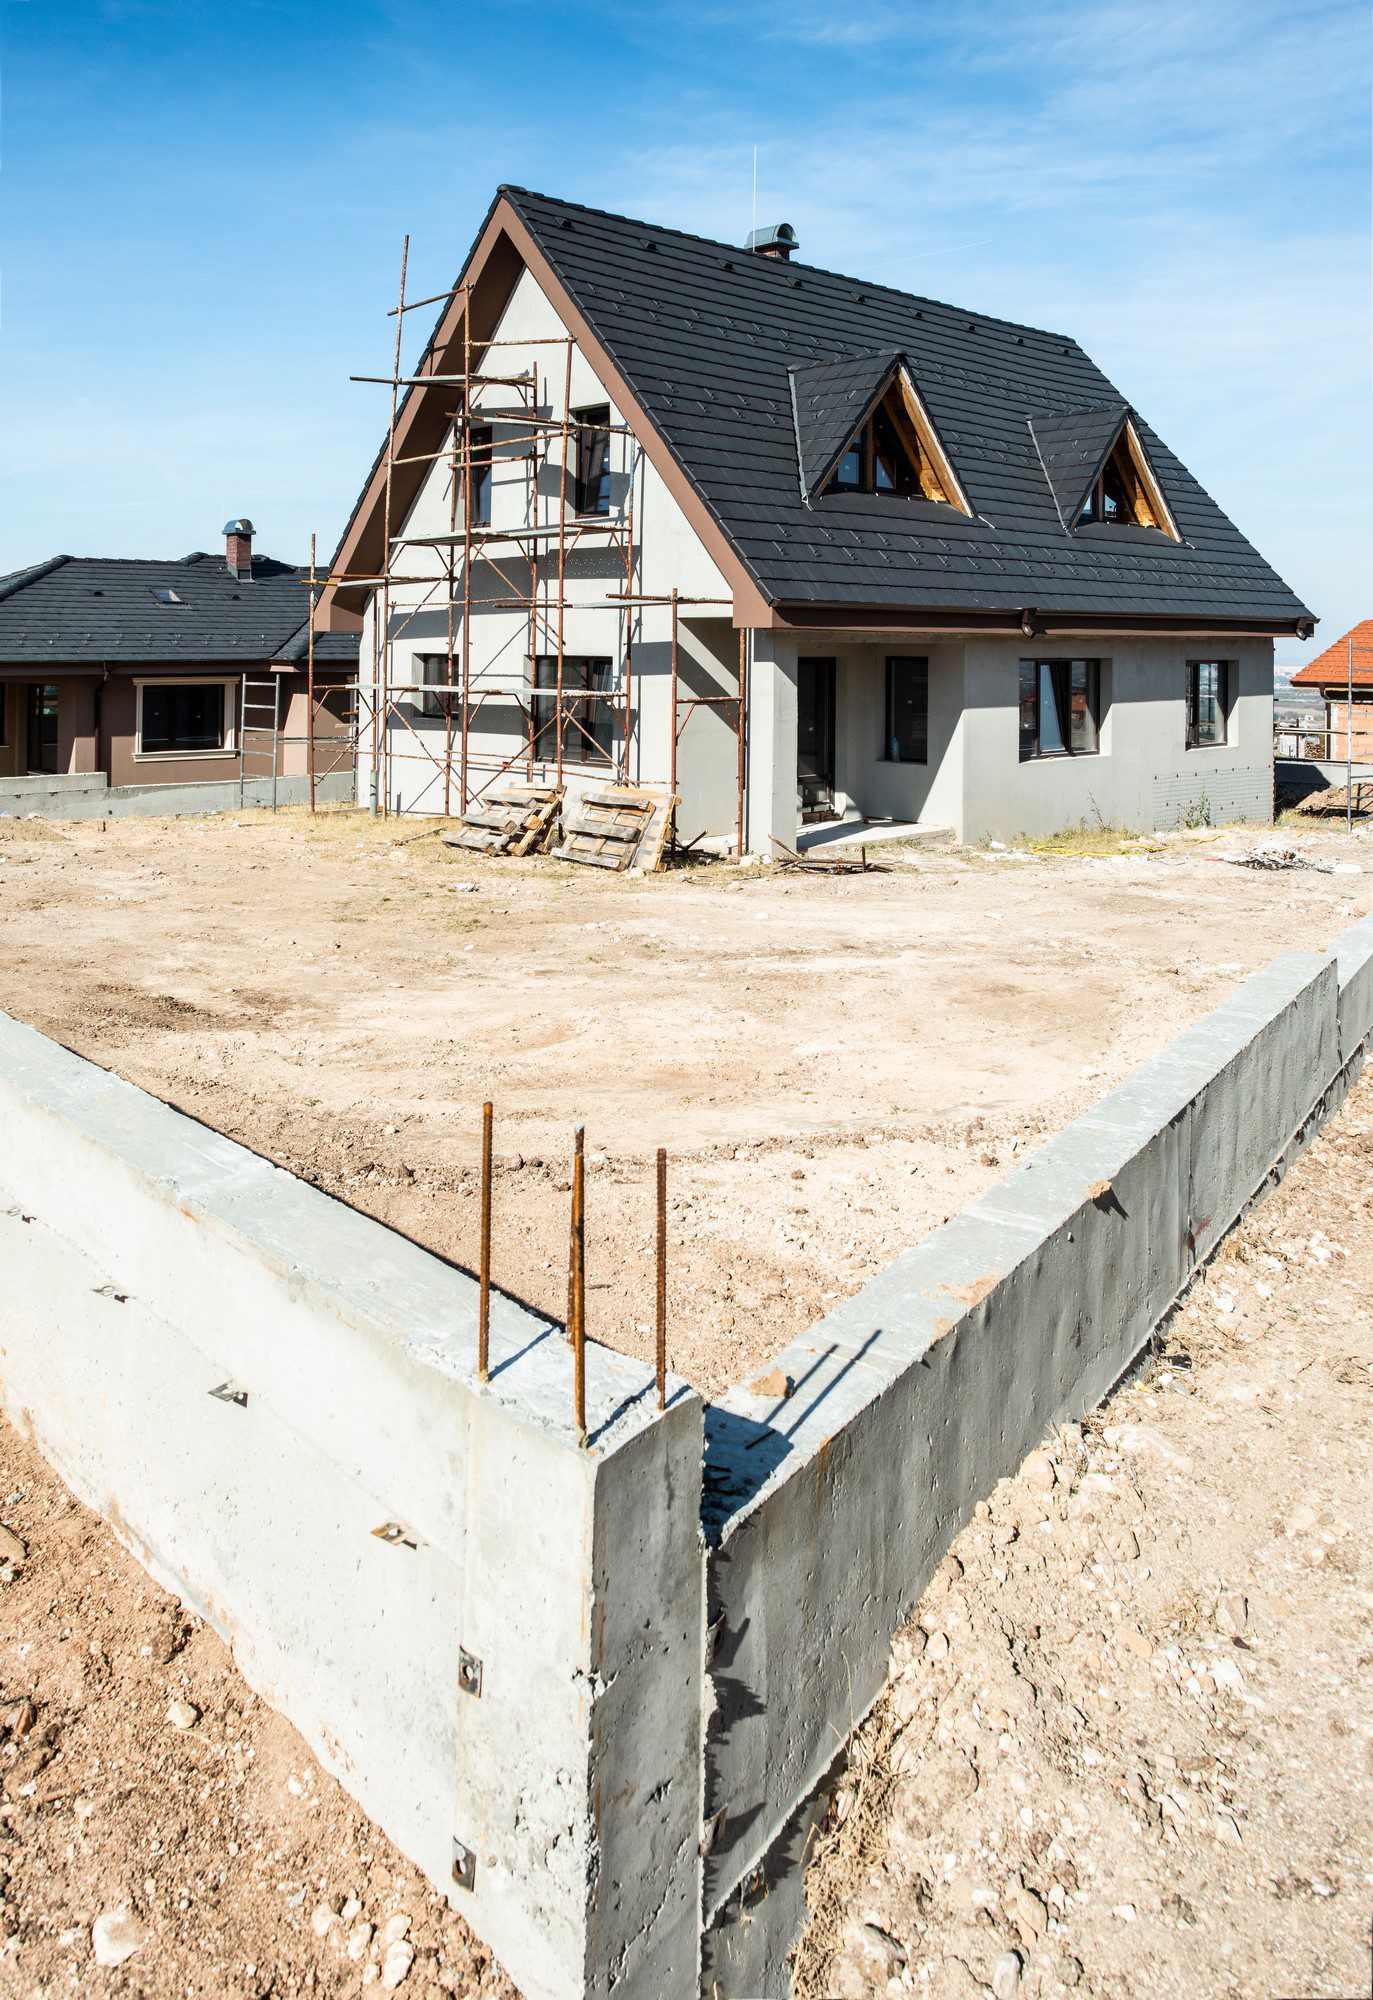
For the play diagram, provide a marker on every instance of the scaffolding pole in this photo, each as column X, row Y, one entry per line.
column 532, row 577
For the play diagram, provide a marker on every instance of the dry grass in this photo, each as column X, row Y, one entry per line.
column 851, row 1841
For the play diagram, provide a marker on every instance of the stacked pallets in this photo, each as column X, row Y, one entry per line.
column 617, row 829
column 523, row 819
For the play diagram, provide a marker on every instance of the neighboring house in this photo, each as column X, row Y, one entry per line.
column 1348, row 660
column 167, row 673
column 972, row 587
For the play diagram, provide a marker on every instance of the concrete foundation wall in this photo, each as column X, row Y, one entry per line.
column 90, row 797
column 649, row 1694
column 187, row 1264
column 828, row 1509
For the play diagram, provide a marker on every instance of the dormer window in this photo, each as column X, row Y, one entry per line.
column 879, row 461
column 1109, row 501
column 895, row 452
column 1125, row 492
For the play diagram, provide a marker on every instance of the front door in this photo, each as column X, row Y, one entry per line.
column 815, row 739
column 42, row 727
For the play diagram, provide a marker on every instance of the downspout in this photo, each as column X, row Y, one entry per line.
column 98, row 718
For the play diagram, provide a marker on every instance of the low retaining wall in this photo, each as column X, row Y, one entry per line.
column 646, row 1695
column 248, row 1380
column 828, row 1509
column 90, row 796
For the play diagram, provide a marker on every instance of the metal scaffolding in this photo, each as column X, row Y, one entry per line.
column 523, row 567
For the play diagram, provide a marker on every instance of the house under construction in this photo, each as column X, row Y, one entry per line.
column 789, row 547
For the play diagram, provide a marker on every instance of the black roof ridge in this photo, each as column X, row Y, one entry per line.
column 45, row 568
column 791, row 264
column 16, row 580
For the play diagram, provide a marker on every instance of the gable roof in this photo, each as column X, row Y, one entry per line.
column 1331, row 668
column 73, row 610
column 703, row 346
column 830, row 399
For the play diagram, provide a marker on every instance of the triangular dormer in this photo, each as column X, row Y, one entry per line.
column 862, row 428
column 1099, row 471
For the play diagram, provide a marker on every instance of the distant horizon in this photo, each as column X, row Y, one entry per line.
column 201, row 245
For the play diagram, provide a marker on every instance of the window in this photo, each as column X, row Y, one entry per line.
column 479, row 467
column 896, row 453
column 587, row 728
column 591, row 494
column 878, row 461
column 1125, row 492
column 42, row 730
column 164, row 594
column 1060, row 708
column 1208, row 703
column 180, row 718
column 906, row 740
column 4, row 716
column 437, row 671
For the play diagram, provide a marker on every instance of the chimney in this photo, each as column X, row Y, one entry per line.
column 777, row 241
column 238, row 547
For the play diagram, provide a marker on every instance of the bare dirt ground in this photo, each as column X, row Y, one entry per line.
column 1128, row 1746
column 150, row 1803
column 835, row 1066
column 1082, row 1775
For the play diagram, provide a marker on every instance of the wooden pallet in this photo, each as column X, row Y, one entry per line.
column 523, row 819
column 619, row 828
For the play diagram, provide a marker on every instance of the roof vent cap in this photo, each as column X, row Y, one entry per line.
column 778, row 240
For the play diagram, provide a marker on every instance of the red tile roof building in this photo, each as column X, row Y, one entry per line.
column 1330, row 669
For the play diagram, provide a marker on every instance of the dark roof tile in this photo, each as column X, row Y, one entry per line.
column 711, row 339
column 104, row 610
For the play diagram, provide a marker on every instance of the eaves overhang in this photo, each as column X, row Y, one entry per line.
column 1027, row 621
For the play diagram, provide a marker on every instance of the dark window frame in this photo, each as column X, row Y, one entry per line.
column 866, row 448
column 445, row 695
column 891, row 751
column 1222, row 699
column 481, row 460
column 1044, row 737
column 180, row 737
column 591, row 483
column 587, row 729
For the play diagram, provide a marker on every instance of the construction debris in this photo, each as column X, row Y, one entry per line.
column 1273, row 857
column 618, row 828
column 523, row 819
column 816, row 864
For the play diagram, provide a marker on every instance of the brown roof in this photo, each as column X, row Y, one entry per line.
column 1331, row 668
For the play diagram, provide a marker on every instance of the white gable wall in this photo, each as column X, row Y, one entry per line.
column 667, row 555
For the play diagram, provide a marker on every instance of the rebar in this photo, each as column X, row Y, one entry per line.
column 579, row 1286
column 662, row 1279
column 484, row 1321
column 578, row 1142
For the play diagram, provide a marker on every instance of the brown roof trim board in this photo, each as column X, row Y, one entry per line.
column 503, row 246
column 1029, row 623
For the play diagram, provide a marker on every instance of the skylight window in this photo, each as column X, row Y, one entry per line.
column 164, row 594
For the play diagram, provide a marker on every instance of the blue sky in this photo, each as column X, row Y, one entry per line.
column 201, row 210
